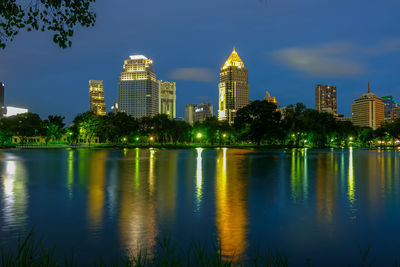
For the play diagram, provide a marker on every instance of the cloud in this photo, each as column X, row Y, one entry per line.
column 193, row 74
column 330, row 60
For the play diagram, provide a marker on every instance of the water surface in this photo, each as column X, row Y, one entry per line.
column 326, row 205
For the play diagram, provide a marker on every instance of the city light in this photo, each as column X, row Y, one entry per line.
column 151, row 138
column 198, row 135
column 224, row 135
column 137, row 138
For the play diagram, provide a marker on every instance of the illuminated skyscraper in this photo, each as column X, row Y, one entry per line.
column 325, row 98
column 96, row 97
column 368, row 111
column 233, row 88
column 138, row 90
column 167, row 102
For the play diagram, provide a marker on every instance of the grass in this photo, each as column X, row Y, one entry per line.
column 30, row 252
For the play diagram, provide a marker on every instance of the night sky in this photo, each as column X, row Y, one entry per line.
column 288, row 46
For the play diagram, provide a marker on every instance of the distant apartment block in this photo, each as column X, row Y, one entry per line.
column 325, row 98
column 167, row 98
column 368, row 111
column 96, row 97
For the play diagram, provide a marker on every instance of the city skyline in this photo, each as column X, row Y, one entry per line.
column 273, row 55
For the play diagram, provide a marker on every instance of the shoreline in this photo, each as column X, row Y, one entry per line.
column 180, row 146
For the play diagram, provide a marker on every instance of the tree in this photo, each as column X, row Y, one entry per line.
column 26, row 125
column 53, row 127
column 87, row 125
column 258, row 120
column 119, row 126
column 57, row 16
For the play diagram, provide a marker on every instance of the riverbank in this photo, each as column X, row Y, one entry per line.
column 182, row 146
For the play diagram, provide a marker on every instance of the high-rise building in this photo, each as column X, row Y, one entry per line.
column 395, row 113
column 325, row 98
column 1, row 94
column 270, row 98
column 189, row 113
column 96, row 97
column 368, row 111
column 167, row 99
column 390, row 104
column 138, row 88
column 233, row 88
column 203, row 111
column 2, row 108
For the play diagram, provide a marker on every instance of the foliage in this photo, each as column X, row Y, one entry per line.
column 57, row 16
column 53, row 127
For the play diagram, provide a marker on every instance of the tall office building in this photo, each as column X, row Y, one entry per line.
column 233, row 88
column 368, row 111
column 203, row 111
column 2, row 109
column 390, row 104
column 325, row 98
column 189, row 113
column 167, row 99
column 96, row 97
column 138, row 91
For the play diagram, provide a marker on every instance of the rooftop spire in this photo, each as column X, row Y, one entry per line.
column 368, row 86
column 233, row 60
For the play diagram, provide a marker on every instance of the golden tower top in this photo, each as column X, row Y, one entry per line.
column 233, row 60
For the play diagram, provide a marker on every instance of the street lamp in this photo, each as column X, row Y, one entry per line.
column 198, row 135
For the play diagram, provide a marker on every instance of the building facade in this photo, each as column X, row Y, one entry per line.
column 270, row 98
column 138, row 92
column 368, row 111
column 203, row 111
column 325, row 98
column 390, row 104
column 189, row 113
column 96, row 97
column 167, row 98
column 233, row 88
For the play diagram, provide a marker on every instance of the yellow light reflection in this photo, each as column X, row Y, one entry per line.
column 350, row 192
column 231, row 213
column 199, row 178
column 137, row 216
column 70, row 180
column 151, row 170
column 96, row 184
column 15, row 194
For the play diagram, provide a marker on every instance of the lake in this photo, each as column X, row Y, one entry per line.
column 326, row 205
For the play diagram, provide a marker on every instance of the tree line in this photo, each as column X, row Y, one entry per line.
column 259, row 123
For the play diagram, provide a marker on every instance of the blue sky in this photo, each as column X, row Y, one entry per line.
column 288, row 46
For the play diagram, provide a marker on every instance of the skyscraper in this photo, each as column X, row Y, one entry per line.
column 96, row 97
column 1, row 94
column 233, row 88
column 2, row 108
column 189, row 113
column 368, row 111
column 167, row 100
column 138, row 90
column 325, row 98
column 203, row 111
column 390, row 104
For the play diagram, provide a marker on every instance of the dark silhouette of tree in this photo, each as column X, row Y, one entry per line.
column 259, row 120
column 57, row 16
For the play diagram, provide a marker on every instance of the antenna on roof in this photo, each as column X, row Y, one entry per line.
column 368, row 86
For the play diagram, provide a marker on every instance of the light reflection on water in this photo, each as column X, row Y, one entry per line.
column 300, row 200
